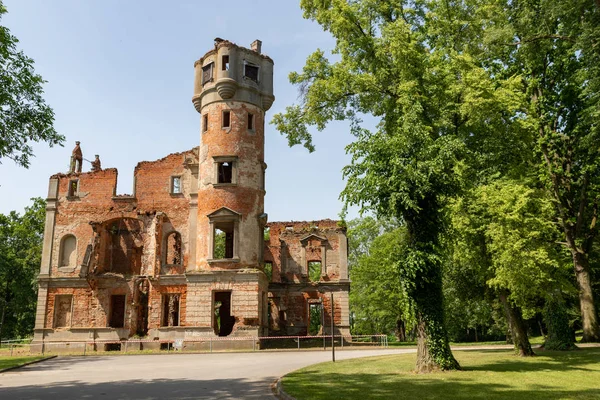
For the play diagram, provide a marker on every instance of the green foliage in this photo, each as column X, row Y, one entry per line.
column 20, row 257
column 560, row 335
column 219, row 245
column 505, row 238
column 25, row 117
column 377, row 298
column 314, row 271
column 315, row 317
column 269, row 271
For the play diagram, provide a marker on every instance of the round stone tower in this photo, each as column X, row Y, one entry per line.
column 233, row 89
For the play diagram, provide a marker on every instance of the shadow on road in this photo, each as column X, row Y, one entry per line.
column 143, row 389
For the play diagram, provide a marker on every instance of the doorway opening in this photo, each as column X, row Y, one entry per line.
column 223, row 321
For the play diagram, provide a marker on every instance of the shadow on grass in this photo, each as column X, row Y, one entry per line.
column 575, row 360
column 389, row 386
column 177, row 389
column 546, row 376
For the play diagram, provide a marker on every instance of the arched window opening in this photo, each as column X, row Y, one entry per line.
column 173, row 249
column 68, row 254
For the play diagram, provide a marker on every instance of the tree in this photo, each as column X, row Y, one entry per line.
column 20, row 257
column 415, row 65
column 24, row 115
column 504, row 232
column 377, row 299
column 553, row 48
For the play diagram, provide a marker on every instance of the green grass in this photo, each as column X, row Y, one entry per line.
column 534, row 340
column 488, row 374
column 7, row 362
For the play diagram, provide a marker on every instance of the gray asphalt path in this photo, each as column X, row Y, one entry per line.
column 169, row 376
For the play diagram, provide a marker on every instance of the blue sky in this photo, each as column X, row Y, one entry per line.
column 120, row 80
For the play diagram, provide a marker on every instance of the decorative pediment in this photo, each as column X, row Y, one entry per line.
column 224, row 214
column 312, row 236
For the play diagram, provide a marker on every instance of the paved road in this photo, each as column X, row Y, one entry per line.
column 169, row 376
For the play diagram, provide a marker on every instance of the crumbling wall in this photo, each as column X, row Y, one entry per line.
column 285, row 249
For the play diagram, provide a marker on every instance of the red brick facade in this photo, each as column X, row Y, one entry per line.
column 184, row 255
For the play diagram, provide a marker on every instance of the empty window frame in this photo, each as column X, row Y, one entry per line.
column 314, row 271
column 269, row 270
column 207, row 73
column 225, row 170
column 250, row 122
column 173, row 248
column 205, row 123
column 223, row 240
column 315, row 319
column 226, row 119
column 176, row 185
column 73, row 188
column 225, row 63
column 170, row 310
column 117, row 311
column 68, row 253
column 63, row 310
column 251, row 72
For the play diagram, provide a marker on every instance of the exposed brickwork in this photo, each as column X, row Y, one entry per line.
column 149, row 264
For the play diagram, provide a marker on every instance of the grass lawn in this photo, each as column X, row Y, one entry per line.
column 488, row 374
column 7, row 362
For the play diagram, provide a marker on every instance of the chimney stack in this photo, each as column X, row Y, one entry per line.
column 256, row 46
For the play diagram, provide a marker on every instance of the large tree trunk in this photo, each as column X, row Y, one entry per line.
column 589, row 317
column 517, row 327
column 433, row 348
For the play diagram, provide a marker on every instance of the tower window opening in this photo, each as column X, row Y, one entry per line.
column 207, row 73
column 225, row 63
column 250, row 122
column 223, row 241
column 226, row 119
column 225, row 172
column 204, row 122
column 251, row 72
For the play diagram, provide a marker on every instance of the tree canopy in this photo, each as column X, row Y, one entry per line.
column 20, row 257
column 24, row 115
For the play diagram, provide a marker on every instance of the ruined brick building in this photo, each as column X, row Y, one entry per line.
column 190, row 253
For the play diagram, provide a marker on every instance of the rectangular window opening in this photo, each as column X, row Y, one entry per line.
column 251, row 72
column 225, row 172
column 175, row 184
column 223, row 241
column 204, row 122
column 250, row 122
column 226, row 119
column 170, row 314
column 207, row 73
column 269, row 270
column 314, row 271
column 225, row 63
column 315, row 319
column 73, row 187
column 117, row 311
